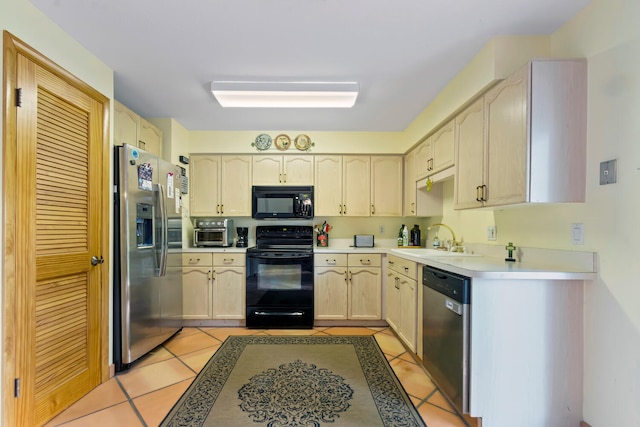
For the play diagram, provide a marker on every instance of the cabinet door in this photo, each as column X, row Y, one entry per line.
column 196, row 293
column 267, row 170
column 410, row 184
column 506, row 146
column 408, row 308
column 205, row 187
column 150, row 138
column 298, row 170
column 328, row 186
column 126, row 125
column 442, row 145
column 424, row 154
column 228, row 298
column 386, row 185
column 393, row 301
column 365, row 296
column 470, row 137
column 235, row 186
column 330, row 293
column 356, row 185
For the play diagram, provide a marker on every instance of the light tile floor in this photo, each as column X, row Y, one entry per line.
column 144, row 394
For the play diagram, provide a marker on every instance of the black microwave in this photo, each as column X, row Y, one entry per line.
column 281, row 202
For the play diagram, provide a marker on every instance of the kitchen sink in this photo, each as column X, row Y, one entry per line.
column 431, row 253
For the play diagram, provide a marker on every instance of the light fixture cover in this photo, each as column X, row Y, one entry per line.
column 253, row 94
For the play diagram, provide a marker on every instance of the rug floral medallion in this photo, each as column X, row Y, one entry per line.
column 292, row 381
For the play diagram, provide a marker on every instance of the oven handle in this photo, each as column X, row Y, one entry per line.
column 292, row 256
column 278, row 313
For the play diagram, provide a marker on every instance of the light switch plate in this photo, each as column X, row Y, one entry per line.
column 492, row 233
column 608, row 172
column 577, row 234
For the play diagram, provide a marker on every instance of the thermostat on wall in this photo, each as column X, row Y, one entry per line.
column 184, row 160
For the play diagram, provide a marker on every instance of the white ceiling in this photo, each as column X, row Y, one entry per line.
column 402, row 52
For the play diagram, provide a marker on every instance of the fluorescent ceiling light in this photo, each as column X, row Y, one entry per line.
column 285, row 94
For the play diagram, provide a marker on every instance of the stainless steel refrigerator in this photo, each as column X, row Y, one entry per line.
column 147, row 294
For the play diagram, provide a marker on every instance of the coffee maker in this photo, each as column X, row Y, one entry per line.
column 243, row 237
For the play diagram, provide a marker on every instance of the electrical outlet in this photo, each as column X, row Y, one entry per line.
column 381, row 229
column 492, row 233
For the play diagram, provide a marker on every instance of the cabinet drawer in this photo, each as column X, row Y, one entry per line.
column 365, row 260
column 403, row 266
column 329, row 260
column 229, row 259
column 197, row 259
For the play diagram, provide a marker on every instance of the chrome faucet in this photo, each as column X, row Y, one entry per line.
column 454, row 243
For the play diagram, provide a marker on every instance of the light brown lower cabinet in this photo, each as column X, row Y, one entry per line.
column 402, row 299
column 348, row 286
column 213, row 285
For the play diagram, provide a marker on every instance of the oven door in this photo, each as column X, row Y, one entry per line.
column 279, row 289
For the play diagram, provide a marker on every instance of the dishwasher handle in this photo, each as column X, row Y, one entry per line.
column 453, row 306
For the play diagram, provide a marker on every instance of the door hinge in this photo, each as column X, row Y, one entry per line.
column 16, row 387
column 19, row 97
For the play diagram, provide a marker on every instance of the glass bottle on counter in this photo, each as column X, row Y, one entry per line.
column 415, row 235
column 405, row 236
column 400, row 235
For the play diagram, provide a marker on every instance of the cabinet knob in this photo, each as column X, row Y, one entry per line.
column 194, row 261
column 373, row 210
column 330, row 261
column 365, row 262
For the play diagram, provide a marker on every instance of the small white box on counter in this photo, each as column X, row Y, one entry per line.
column 363, row 240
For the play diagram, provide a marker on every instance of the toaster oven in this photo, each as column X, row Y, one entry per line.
column 212, row 232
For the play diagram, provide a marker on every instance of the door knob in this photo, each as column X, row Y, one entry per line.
column 95, row 260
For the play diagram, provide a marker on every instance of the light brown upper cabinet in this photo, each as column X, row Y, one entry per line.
column 410, row 183
column 386, row 185
column 533, row 144
column 220, row 185
column 283, row 170
column 130, row 128
column 342, row 185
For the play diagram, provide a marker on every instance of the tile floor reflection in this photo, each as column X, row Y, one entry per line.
column 144, row 394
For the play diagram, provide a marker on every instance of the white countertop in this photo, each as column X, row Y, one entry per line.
column 543, row 264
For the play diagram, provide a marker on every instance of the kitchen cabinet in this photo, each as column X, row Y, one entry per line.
column 534, row 139
column 402, row 299
column 130, row 128
column 410, row 184
column 342, row 185
column 436, row 152
column 386, row 185
column 213, row 285
column 220, row 185
column 228, row 286
column 422, row 159
column 469, row 159
column 348, row 286
column 282, row 170
column 442, row 148
column 150, row 138
column 197, row 270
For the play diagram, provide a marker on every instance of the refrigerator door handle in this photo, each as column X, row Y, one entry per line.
column 164, row 246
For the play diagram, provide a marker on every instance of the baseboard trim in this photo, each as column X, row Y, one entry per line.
column 583, row 424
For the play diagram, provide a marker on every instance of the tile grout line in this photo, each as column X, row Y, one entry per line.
column 130, row 400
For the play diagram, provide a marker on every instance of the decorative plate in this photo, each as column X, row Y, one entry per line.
column 282, row 142
column 302, row 142
column 263, row 141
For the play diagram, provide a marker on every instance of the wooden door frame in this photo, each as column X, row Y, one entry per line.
column 13, row 46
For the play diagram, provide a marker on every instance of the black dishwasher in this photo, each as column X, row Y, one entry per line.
column 446, row 332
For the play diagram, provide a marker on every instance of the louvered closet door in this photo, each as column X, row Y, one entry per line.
column 59, row 227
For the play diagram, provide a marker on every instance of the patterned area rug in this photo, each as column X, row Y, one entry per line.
column 279, row 381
